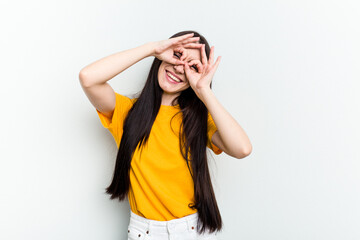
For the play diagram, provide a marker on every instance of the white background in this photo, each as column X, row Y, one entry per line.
column 289, row 75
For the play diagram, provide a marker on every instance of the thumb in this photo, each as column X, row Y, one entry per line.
column 175, row 61
column 186, row 68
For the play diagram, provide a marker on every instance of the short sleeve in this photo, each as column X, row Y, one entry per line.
column 211, row 130
column 115, row 124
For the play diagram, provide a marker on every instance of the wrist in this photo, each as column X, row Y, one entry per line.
column 203, row 93
column 150, row 48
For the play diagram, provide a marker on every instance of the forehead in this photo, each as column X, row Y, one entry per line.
column 192, row 53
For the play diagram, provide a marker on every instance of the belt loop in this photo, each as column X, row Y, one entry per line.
column 149, row 228
column 190, row 225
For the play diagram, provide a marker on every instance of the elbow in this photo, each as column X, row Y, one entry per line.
column 248, row 151
column 84, row 80
column 244, row 153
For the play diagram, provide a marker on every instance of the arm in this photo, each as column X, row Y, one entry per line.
column 108, row 67
column 94, row 77
column 230, row 137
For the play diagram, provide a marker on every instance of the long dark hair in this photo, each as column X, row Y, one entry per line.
column 193, row 140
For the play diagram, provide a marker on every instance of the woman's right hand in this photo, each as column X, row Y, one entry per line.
column 164, row 49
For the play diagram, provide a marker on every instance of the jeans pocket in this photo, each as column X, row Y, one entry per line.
column 135, row 233
column 204, row 236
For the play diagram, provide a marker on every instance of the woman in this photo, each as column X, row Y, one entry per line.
column 162, row 135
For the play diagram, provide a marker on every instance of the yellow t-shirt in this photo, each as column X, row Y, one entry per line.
column 161, row 187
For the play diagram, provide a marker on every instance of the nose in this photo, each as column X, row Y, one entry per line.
column 179, row 68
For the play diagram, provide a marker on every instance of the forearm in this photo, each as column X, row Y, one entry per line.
column 104, row 69
column 231, row 133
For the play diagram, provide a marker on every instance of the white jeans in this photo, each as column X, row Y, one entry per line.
column 183, row 228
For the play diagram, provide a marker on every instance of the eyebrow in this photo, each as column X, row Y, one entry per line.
column 191, row 59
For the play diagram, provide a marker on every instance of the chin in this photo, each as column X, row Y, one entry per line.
column 170, row 87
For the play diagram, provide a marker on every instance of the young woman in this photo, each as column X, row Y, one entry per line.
column 162, row 135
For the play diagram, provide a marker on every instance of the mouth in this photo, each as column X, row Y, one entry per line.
column 172, row 77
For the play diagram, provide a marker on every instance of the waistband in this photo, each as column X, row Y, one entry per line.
column 178, row 225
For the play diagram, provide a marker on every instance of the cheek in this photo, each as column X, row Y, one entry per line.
column 160, row 73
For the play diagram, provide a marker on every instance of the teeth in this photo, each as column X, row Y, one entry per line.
column 173, row 77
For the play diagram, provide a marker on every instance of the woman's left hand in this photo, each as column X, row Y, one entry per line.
column 200, row 79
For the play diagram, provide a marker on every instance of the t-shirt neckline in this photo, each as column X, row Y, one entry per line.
column 168, row 107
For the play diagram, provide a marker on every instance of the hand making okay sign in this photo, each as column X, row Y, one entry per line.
column 200, row 77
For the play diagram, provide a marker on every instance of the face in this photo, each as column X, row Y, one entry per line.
column 170, row 87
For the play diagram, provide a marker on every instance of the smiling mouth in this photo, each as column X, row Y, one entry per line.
column 172, row 77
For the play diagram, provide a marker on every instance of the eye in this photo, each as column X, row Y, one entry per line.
column 194, row 66
column 177, row 55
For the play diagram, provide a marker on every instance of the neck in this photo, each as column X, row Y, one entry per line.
column 168, row 98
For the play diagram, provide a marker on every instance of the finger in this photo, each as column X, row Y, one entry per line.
column 200, row 68
column 179, row 49
column 179, row 62
column 174, row 61
column 189, row 40
column 203, row 55
column 186, row 69
column 211, row 57
column 192, row 45
column 182, row 57
column 181, row 38
column 198, row 65
column 217, row 63
column 182, row 52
